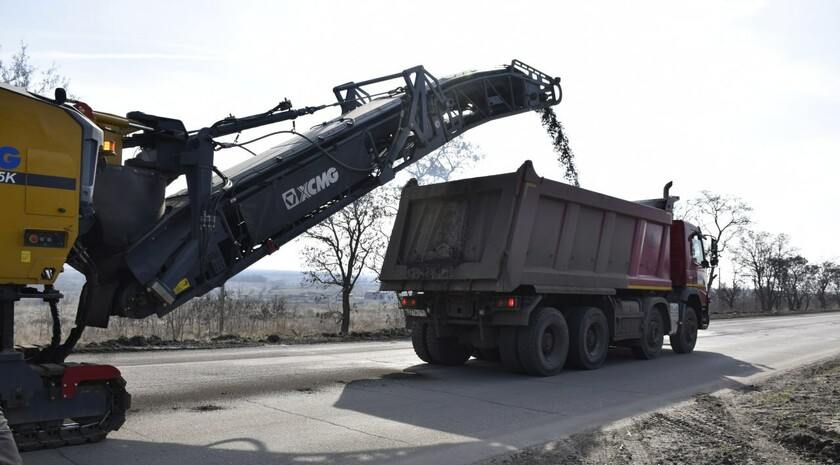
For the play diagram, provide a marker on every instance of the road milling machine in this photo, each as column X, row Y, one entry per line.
column 69, row 199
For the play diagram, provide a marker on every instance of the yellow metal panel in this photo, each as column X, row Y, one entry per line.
column 52, row 200
column 48, row 142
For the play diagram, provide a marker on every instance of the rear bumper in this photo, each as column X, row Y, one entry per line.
column 471, row 310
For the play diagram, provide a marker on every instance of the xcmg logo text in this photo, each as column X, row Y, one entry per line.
column 293, row 197
column 9, row 160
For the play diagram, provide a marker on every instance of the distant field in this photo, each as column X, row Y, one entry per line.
column 258, row 303
column 261, row 303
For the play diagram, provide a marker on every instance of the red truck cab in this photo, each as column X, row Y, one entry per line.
column 689, row 263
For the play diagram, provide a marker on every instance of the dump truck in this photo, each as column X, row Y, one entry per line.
column 540, row 274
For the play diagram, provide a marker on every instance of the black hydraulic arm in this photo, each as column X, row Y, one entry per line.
column 221, row 225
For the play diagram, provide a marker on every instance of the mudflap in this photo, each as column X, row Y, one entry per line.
column 54, row 405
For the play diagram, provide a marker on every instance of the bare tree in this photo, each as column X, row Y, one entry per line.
column 343, row 246
column 809, row 285
column 836, row 286
column 827, row 274
column 759, row 254
column 722, row 217
column 457, row 155
column 20, row 72
column 730, row 293
column 796, row 280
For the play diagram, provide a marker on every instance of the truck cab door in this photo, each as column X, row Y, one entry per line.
column 697, row 263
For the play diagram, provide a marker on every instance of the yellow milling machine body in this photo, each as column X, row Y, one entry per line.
column 48, row 161
column 48, row 155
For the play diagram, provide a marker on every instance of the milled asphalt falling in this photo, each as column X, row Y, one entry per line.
column 377, row 403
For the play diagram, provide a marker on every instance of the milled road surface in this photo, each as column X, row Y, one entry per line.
column 377, row 403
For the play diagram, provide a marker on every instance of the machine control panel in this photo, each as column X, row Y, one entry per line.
column 41, row 238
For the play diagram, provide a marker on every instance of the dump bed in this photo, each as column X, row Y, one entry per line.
column 498, row 233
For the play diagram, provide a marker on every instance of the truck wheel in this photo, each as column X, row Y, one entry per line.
column 509, row 349
column 544, row 343
column 653, row 334
column 589, row 338
column 685, row 339
column 418, row 340
column 446, row 350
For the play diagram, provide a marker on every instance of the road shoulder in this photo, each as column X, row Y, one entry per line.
column 791, row 418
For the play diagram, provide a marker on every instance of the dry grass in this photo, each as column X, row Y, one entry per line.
column 200, row 319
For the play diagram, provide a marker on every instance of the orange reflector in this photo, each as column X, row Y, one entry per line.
column 109, row 146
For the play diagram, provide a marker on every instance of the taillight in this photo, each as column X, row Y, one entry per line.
column 408, row 301
column 507, row 302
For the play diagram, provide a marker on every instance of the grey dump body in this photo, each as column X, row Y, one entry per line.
column 498, row 233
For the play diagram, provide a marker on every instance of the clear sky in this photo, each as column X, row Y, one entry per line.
column 741, row 98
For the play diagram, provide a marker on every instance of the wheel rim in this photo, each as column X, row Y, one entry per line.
column 593, row 340
column 552, row 346
column 654, row 334
column 547, row 342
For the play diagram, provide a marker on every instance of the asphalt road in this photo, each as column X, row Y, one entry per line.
column 377, row 403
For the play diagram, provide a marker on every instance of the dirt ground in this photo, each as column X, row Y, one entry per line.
column 141, row 343
column 793, row 418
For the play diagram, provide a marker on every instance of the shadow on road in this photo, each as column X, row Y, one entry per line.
column 238, row 451
column 475, row 411
column 483, row 401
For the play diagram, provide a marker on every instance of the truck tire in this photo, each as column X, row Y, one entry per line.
column 544, row 344
column 684, row 340
column 446, row 350
column 418, row 340
column 653, row 335
column 589, row 337
column 8, row 449
column 509, row 349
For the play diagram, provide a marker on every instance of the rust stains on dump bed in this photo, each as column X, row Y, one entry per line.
column 496, row 233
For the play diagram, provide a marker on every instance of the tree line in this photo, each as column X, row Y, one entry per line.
column 776, row 277
column 767, row 273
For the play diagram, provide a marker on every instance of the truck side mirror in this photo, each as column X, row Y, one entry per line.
column 704, row 263
column 713, row 255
